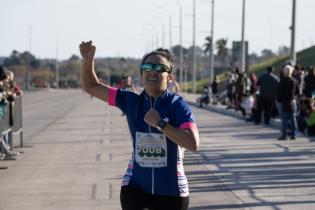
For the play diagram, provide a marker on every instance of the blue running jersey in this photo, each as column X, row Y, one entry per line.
column 169, row 180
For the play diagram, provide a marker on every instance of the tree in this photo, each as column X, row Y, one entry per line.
column 74, row 58
column 70, row 69
column 176, row 50
column 208, row 44
column 13, row 60
column 27, row 58
column 253, row 58
column 35, row 63
column 222, row 49
column 198, row 51
column 42, row 77
column 283, row 50
column 267, row 53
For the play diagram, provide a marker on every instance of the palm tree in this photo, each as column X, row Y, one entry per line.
column 207, row 45
column 222, row 49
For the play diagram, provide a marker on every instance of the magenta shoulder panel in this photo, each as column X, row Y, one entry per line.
column 112, row 92
column 187, row 125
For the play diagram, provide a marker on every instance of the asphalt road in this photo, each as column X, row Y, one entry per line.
column 77, row 149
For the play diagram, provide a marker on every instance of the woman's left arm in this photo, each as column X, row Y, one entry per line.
column 187, row 138
column 184, row 137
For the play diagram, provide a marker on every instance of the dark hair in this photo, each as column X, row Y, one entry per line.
column 297, row 67
column 310, row 69
column 236, row 70
column 270, row 69
column 162, row 52
column 307, row 103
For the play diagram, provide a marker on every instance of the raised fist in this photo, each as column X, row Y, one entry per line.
column 87, row 50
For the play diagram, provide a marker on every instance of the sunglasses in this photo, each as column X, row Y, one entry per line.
column 159, row 68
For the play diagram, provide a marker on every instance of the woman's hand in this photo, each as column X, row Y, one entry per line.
column 87, row 50
column 152, row 117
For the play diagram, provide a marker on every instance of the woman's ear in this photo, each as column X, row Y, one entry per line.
column 141, row 82
column 170, row 78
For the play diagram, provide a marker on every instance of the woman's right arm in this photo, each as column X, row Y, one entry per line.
column 89, row 80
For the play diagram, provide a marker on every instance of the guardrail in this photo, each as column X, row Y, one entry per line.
column 11, row 119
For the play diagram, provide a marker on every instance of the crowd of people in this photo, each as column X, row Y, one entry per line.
column 8, row 91
column 289, row 95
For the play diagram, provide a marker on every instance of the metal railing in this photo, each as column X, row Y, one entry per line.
column 11, row 120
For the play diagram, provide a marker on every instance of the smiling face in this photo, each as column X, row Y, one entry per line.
column 155, row 83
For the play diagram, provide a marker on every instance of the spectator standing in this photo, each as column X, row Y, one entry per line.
column 6, row 96
column 240, row 89
column 230, row 88
column 287, row 91
column 253, row 80
column 309, row 82
column 310, row 120
column 3, row 75
column 214, row 89
column 298, row 75
column 267, row 85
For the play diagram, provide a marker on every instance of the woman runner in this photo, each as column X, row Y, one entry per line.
column 161, row 125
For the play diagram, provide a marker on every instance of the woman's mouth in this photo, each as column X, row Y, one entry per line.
column 152, row 79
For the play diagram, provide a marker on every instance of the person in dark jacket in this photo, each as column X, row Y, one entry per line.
column 230, row 88
column 3, row 75
column 287, row 90
column 253, row 81
column 310, row 120
column 214, row 89
column 309, row 82
column 240, row 89
column 268, row 85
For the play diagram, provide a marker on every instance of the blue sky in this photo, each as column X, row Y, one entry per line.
column 124, row 27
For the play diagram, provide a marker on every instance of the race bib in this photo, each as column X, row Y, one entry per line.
column 151, row 150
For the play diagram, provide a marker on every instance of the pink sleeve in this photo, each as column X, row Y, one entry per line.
column 112, row 92
column 187, row 125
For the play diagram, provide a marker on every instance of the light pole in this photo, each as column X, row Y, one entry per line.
column 243, row 41
column 170, row 31
column 147, row 44
column 181, row 66
column 57, row 66
column 194, row 49
column 156, row 35
column 211, row 40
column 152, row 41
column 30, row 38
column 163, row 35
column 293, row 53
column 28, row 76
column 170, row 24
column 163, row 29
column 270, row 36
